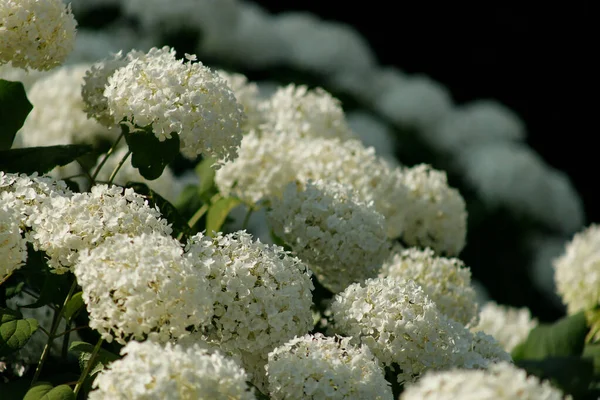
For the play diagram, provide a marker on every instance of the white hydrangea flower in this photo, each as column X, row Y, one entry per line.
column 577, row 271
column 138, row 286
column 403, row 326
column 165, row 185
column 36, row 34
column 153, row 372
column 308, row 113
column 514, row 176
column 325, row 368
column 502, row 381
column 482, row 121
column 248, row 95
column 57, row 116
column 68, row 225
column 177, row 97
column 418, row 103
column 263, row 295
column 447, row 281
column 13, row 247
column 509, row 325
column 27, row 196
column 437, row 215
column 342, row 238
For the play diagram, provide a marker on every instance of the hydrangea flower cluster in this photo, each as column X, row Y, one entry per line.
column 155, row 89
column 248, row 95
column 509, row 325
column 437, row 216
column 501, row 381
column 447, row 281
column 155, row 372
column 36, row 34
column 307, row 113
column 577, row 274
column 57, row 117
column 69, row 225
column 143, row 286
column 402, row 325
column 262, row 295
column 13, row 247
column 326, row 225
column 322, row 367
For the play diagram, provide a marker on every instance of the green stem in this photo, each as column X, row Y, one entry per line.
column 58, row 316
column 88, row 367
column 118, row 167
column 108, row 154
column 202, row 210
column 77, row 328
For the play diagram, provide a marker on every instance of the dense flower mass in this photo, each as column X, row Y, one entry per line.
column 36, row 34
column 402, row 325
column 304, row 112
column 66, row 226
column 502, row 381
column 13, row 249
column 577, row 271
column 141, row 286
column 154, row 372
column 342, row 238
column 322, row 367
column 155, row 89
column 447, row 281
column 262, row 295
column 437, row 215
column 510, row 326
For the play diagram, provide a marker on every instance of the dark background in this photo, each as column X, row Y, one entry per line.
column 535, row 59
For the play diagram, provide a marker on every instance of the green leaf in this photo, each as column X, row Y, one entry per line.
column 168, row 210
column 217, row 213
column 206, row 176
column 13, row 290
column 148, row 154
column 14, row 108
column 566, row 337
column 592, row 351
column 73, row 306
column 14, row 331
column 41, row 159
column 84, row 351
column 45, row 391
column 571, row 374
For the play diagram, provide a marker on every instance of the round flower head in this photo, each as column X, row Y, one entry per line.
column 322, row 367
column 68, row 225
column 342, row 238
column 36, row 34
column 172, row 96
column 577, row 271
column 57, row 116
column 437, row 215
column 27, row 196
column 308, row 113
column 502, row 381
column 510, row 326
column 247, row 94
column 141, row 286
column 13, row 249
column 151, row 371
column 402, row 326
column 263, row 295
column 445, row 280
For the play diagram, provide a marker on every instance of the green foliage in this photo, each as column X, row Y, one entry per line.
column 217, row 213
column 41, row 159
column 84, row 352
column 74, row 304
column 14, row 108
column 15, row 331
column 148, row 154
column 572, row 375
column 45, row 391
column 206, row 175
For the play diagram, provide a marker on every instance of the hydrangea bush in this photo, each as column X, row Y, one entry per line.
column 173, row 230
